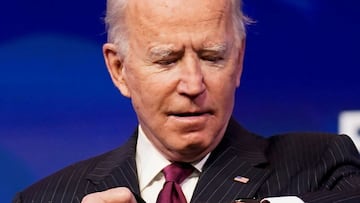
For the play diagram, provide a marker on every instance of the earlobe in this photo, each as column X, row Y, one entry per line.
column 115, row 66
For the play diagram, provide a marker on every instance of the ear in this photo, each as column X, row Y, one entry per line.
column 240, row 61
column 115, row 66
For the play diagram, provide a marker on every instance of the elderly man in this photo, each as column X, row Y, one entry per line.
column 180, row 62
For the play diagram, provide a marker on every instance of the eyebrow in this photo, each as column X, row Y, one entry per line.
column 165, row 50
column 215, row 47
column 161, row 51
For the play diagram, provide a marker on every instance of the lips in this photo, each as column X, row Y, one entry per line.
column 191, row 114
column 189, row 122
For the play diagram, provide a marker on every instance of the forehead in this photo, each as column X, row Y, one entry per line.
column 178, row 9
column 162, row 17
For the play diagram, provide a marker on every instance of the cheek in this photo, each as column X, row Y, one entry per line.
column 222, row 93
column 224, row 83
column 150, row 92
column 138, row 94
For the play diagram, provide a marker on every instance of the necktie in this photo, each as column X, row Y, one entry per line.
column 175, row 174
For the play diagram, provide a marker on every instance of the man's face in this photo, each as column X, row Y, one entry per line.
column 181, row 72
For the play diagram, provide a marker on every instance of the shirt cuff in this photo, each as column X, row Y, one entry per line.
column 283, row 199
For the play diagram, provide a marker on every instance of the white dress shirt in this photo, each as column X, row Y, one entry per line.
column 150, row 162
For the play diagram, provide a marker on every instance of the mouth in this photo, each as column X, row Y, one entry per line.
column 191, row 121
column 190, row 114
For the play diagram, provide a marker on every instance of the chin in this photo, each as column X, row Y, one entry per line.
column 189, row 155
column 196, row 149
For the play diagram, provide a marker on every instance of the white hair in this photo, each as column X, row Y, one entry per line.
column 117, row 31
column 115, row 24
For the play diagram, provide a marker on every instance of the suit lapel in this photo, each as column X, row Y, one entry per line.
column 238, row 154
column 118, row 169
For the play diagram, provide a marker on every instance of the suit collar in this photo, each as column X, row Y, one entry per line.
column 240, row 153
column 248, row 146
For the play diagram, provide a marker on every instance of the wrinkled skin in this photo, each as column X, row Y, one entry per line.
column 181, row 72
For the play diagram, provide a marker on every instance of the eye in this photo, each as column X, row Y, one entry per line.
column 212, row 59
column 166, row 62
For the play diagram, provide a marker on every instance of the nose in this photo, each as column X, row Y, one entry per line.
column 191, row 81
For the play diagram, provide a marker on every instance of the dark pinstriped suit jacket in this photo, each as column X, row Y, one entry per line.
column 315, row 167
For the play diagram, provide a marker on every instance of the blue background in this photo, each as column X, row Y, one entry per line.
column 58, row 105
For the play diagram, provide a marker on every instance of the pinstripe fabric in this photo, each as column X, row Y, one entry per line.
column 235, row 155
column 113, row 169
column 326, row 170
column 317, row 167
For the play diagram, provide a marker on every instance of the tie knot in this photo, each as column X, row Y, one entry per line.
column 177, row 172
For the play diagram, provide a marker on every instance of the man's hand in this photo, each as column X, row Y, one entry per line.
column 114, row 195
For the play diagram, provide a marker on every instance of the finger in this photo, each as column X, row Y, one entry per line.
column 114, row 195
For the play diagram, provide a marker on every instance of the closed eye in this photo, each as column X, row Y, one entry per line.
column 213, row 59
column 166, row 62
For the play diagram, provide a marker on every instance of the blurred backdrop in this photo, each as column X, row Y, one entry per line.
column 58, row 104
